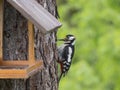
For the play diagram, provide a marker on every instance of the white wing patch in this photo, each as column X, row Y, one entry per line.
column 69, row 54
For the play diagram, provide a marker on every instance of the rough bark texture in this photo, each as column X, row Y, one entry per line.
column 15, row 34
column 16, row 48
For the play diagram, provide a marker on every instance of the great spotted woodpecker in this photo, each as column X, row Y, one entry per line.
column 65, row 54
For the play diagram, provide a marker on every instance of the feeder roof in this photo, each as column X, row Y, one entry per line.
column 34, row 12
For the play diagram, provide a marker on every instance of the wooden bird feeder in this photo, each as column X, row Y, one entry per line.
column 43, row 20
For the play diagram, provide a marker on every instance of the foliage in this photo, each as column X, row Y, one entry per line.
column 95, row 23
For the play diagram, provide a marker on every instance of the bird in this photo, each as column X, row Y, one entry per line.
column 66, row 53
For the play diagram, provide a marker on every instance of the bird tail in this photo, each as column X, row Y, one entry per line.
column 60, row 77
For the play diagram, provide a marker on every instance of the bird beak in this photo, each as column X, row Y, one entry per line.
column 65, row 39
column 60, row 39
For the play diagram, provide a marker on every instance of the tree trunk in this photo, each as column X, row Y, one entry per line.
column 16, row 48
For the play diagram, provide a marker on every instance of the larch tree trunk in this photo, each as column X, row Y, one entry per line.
column 15, row 47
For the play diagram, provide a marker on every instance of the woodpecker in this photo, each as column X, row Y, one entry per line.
column 65, row 54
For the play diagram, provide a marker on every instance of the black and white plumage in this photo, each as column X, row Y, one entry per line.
column 66, row 52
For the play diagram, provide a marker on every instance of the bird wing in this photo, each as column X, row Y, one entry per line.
column 65, row 53
column 60, row 52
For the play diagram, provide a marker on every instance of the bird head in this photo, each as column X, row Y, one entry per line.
column 69, row 39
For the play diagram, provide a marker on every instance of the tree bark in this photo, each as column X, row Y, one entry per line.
column 16, row 48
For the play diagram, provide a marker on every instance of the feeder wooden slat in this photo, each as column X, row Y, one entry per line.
column 37, row 64
column 1, row 29
column 31, row 43
column 13, row 74
column 12, row 63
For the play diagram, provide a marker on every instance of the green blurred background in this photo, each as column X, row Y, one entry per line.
column 96, row 25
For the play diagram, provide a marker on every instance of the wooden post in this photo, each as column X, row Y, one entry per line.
column 31, row 52
column 1, row 30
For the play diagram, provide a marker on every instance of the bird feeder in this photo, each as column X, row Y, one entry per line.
column 43, row 20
